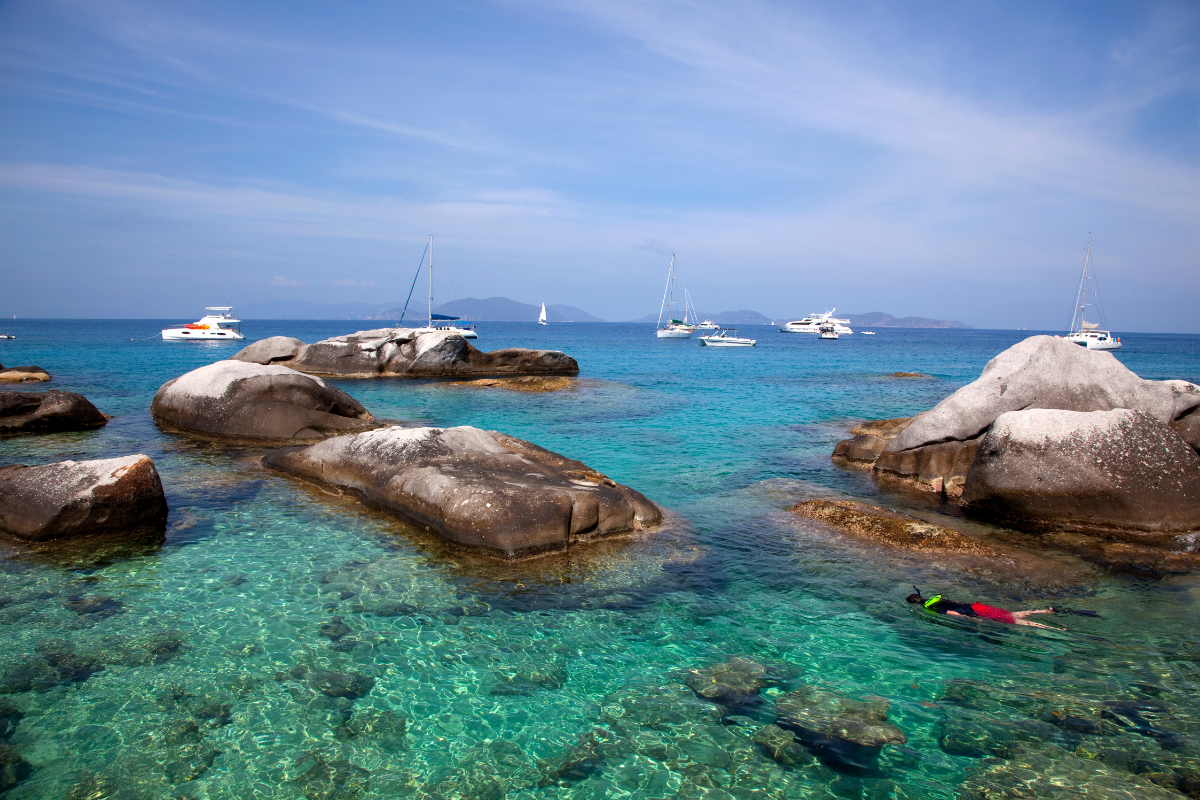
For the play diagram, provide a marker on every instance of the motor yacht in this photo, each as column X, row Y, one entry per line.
column 723, row 339
column 828, row 330
column 812, row 324
column 218, row 323
column 708, row 325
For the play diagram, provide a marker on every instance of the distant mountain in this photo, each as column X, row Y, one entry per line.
column 878, row 319
column 570, row 314
column 493, row 309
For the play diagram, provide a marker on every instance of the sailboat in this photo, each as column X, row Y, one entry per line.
column 466, row 333
column 675, row 328
column 542, row 316
column 1089, row 334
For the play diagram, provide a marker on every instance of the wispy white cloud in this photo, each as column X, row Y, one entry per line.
column 290, row 283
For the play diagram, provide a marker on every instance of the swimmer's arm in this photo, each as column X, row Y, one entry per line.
column 955, row 613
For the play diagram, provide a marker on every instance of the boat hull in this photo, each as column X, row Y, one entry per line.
column 669, row 333
column 193, row 335
column 717, row 341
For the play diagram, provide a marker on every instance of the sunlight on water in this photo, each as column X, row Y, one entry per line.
column 285, row 644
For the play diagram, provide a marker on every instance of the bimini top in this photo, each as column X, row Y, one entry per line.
column 218, row 308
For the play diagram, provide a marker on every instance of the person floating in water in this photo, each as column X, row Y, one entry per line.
column 942, row 605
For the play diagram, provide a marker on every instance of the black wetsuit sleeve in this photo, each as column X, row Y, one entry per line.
column 942, row 606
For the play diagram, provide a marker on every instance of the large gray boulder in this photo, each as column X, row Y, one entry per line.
column 480, row 490
column 1097, row 470
column 236, row 400
column 75, row 498
column 47, row 412
column 936, row 449
column 404, row 352
column 1046, row 372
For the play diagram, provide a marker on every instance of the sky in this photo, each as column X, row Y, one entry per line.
column 924, row 158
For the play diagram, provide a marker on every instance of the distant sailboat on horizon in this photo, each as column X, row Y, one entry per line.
column 542, row 316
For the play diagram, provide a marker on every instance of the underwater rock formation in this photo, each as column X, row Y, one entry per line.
column 23, row 375
column 837, row 729
column 481, row 490
column 404, row 352
column 532, row 384
column 235, row 400
column 47, row 412
column 890, row 528
column 1085, row 471
column 735, row 686
column 76, row 498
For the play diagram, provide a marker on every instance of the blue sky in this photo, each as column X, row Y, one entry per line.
column 922, row 158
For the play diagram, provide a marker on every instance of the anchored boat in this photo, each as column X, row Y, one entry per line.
column 723, row 339
column 1090, row 334
column 813, row 322
column 218, row 323
column 675, row 328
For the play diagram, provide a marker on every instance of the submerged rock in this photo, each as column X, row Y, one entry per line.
column 23, row 375
column 782, row 746
column 55, row 663
column 235, row 400
column 10, row 717
column 75, row 498
column 48, row 412
column 481, row 490
column 13, row 768
column 889, row 528
column 404, row 352
column 532, row 384
column 1093, row 470
column 843, row 733
column 341, row 684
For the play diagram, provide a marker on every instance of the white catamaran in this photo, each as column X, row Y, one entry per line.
column 675, row 328
column 1090, row 334
column 218, row 323
column 466, row 333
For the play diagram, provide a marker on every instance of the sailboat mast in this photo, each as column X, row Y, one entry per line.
column 430, row 323
column 1081, row 296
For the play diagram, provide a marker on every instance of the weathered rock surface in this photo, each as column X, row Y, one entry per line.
column 23, row 375
column 889, row 528
column 935, row 451
column 870, row 439
column 1046, row 372
column 26, row 412
column 270, row 350
column 1086, row 471
column 236, row 400
column 940, row 468
column 402, row 352
column 1188, row 428
column 480, row 490
column 75, row 498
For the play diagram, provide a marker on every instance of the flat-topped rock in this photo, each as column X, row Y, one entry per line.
column 404, row 352
column 1097, row 470
column 267, row 403
column 480, row 490
column 47, row 412
column 889, row 528
column 23, row 375
column 870, row 439
column 77, row 498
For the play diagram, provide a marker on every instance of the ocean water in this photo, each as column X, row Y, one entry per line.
column 193, row 667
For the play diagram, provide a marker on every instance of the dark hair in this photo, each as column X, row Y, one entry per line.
column 915, row 598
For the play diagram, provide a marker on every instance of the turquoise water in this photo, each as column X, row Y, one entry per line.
column 563, row 677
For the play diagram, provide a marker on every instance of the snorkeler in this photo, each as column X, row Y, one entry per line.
column 941, row 605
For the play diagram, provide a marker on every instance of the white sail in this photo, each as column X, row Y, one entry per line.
column 542, row 316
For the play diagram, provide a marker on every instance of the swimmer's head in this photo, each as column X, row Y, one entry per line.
column 915, row 598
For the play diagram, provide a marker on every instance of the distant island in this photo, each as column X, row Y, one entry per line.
column 503, row 309
column 878, row 319
column 492, row 309
column 875, row 319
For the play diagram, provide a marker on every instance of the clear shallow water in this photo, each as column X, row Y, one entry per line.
column 564, row 676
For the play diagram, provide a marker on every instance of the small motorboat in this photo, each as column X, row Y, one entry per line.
column 708, row 325
column 218, row 323
column 7, row 336
column 868, row 333
column 828, row 330
column 723, row 339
